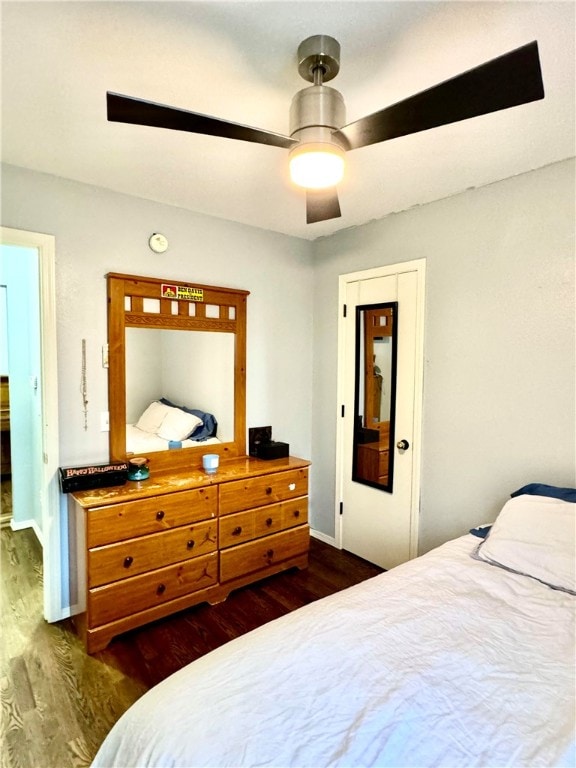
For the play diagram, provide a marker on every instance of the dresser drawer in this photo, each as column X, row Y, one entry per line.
column 294, row 512
column 255, row 523
column 252, row 524
column 266, row 489
column 267, row 520
column 263, row 553
column 128, row 558
column 236, row 529
column 114, row 601
column 383, row 461
column 137, row 518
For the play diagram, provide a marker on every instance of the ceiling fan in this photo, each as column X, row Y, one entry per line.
column 319, row 137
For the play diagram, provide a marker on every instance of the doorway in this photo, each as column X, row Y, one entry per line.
column 28, row 272
column 378, row 456
column 21, row 386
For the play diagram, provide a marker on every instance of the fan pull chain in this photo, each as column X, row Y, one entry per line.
column 84, row 386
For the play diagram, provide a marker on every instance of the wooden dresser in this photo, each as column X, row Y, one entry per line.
column 5, row 458
column 147, row 549
column 373, row 460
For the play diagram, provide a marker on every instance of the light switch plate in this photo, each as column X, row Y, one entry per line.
column 104, row 421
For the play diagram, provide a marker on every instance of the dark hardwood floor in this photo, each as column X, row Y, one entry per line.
column 58, row 703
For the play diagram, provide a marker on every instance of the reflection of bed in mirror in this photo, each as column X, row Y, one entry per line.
column 138, row 441
column 190, row 378
column 165, row 426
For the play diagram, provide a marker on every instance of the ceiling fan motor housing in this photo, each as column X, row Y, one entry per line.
column 316, row 115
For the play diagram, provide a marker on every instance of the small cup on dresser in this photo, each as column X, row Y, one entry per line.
column 210, row 463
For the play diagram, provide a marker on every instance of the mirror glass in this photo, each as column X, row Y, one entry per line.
column 375, row 394
column 194, row 370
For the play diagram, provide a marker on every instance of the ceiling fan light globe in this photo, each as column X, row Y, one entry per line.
column 317, row 166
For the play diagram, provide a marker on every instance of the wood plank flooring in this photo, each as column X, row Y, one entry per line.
column 5, row 501
column 58, row 703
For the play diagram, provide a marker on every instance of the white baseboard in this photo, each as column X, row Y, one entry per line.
column 323, row 537
column 20, row 526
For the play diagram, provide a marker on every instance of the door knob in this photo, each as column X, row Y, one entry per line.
column 403, row 445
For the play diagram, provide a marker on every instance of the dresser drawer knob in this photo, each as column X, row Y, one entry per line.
column 160, row 514
column 161, row 589
column 128, row 561
column 268, row 491
column 190, row 544
column 269, row 521
column 292, row 487
column 296, row 513
column 237, row 531
column 270, row 554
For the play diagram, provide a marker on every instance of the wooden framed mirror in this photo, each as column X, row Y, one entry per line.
column 178, row 344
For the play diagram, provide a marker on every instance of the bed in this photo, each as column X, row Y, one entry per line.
column 462, row 657
column 165, row 426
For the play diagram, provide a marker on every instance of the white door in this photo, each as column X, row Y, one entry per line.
column 382, row 525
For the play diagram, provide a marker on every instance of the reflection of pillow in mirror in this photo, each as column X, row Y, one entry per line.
column 178, row 424
column 534, row 536
column 152, row 418
column 207, row 427
column 209, row 424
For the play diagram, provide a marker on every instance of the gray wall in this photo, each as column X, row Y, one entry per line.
column 499, row 375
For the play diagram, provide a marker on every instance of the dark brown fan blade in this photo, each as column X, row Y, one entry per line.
column 508, row 81
column 321, row 205
column 125, row 109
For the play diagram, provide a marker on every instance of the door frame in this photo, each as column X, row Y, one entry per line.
column 418, row 266
column 45, row 246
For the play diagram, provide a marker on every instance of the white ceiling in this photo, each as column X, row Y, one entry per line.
column 237, row 61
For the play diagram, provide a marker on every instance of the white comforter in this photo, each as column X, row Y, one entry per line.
column 443, row 661
column 138, row 441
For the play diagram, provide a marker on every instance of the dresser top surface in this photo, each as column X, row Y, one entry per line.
column 186, row 479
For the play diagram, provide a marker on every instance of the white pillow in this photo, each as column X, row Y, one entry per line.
column 535, row 536
column 178, row 425
column 152, row 418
